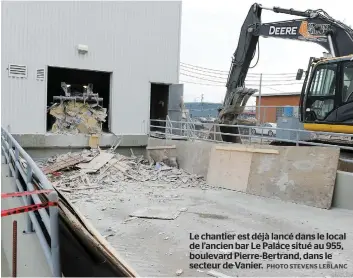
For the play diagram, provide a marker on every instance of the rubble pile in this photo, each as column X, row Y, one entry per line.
column 77, row 117
column 94, row 169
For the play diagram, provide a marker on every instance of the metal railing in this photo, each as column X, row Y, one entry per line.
column 211, row 134
column 15, row 157
column 258, row 113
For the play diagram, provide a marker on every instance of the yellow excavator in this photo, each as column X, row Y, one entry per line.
column 326, row 102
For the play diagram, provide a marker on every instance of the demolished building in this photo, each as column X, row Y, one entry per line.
column 76, row 117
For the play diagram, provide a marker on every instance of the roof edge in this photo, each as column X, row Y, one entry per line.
column 277, row 94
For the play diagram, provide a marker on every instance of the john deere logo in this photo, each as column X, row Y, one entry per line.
column 313, row 30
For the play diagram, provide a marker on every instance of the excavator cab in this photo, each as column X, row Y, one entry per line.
column 326, row 102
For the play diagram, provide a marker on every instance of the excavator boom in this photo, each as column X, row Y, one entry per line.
column 315, row 26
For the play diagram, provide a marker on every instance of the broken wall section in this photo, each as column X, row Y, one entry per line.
column 77, row 117
column 193, row 157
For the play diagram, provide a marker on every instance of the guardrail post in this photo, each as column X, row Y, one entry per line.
column 17, row 159
column 54, row 235
column 214, row 132
column 29, row 225
column 297, row 139
column 262, row 134
column 3, row 158
column 9, row 154
column 250, row 134
column 6, row 138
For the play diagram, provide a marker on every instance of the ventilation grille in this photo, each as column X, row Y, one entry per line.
column 17, row 71
column 40, row 74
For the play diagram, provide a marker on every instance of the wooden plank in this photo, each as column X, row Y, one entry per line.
column 70, row 161
column 160, row 147
column 246, row 149
column 96, row 163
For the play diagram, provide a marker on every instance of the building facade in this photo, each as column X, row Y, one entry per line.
column 134, row 43
column 267, row 112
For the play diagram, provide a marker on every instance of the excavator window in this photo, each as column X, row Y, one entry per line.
column 347, row 93
column 322, row 90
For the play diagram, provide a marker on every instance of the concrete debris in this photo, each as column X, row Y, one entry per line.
column 216, row 274
column 129, row 219
column 109, row 233
column 164, row 213
column 89, row 170
column 114, row 147
column 77, row 117
column 164, row 154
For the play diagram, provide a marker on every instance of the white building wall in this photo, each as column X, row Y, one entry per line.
column 138, row 41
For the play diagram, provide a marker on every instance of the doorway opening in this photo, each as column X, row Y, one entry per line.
column 99, row 79
column 159, row 106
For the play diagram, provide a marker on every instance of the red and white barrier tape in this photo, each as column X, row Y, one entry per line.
column 24, row 193
column 23, row 209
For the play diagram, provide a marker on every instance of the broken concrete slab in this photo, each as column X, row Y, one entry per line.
column 303, row 175
column 165, row 213
column 229, row 168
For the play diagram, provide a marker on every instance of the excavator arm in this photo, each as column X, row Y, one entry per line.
column 315, row 26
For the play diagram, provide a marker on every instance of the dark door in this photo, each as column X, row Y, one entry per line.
column 175, row 106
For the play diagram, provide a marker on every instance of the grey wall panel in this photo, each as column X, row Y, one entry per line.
column 138, row 41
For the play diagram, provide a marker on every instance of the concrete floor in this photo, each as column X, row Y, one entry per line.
column 156, row 247
column 5, row 267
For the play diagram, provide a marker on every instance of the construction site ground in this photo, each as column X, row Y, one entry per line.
column 151, row 214
column 155, row 247
column 161, row 247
